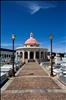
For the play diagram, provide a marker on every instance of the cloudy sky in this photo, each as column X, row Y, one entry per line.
column 39, row 17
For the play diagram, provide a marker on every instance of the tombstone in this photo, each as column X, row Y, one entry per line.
column 57, row 58
column 65, row 55
column 64, row 58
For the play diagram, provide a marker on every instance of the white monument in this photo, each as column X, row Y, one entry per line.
column 57, row 58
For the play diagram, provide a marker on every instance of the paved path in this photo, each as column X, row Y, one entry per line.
column 32, row 82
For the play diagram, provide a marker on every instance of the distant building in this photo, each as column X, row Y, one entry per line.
column 31, row 50
column 6, row 53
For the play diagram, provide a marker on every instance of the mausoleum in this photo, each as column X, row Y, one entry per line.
column 31, row 50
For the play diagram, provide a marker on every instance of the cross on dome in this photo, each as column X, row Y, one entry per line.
column 31, row 34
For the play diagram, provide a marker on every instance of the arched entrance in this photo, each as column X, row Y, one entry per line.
column 26, row 55
column 31, row 55
column 37, row 55
column 21, row 54
column 42, row 55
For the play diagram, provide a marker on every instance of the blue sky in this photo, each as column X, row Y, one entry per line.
column 39, row 17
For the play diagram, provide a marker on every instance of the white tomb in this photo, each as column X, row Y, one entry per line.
column 57, row 58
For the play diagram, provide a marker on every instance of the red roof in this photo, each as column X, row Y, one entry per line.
column 31, row 41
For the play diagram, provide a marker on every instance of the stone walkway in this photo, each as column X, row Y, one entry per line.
column 32, row 83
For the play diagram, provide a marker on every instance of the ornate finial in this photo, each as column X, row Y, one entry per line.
column 31, row 34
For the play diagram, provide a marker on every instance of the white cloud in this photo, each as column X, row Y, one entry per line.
column 59, row 46
column 35, row 6
column 59, row 49
column 56, row 47
column 9, row 44
column 6, row 44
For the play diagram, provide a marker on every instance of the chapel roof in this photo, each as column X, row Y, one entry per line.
column 31, row 40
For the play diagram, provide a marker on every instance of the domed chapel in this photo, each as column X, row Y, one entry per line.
column 31, row 50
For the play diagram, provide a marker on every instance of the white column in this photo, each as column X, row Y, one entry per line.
column 34, row 55
column 28, row 54
column 44, row 55
column 39, row 54
column 16, row 57
column 23, row 54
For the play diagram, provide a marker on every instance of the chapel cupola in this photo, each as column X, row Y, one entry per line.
column 31, row 42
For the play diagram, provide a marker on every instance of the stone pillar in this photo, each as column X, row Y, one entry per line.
column 16, row 58
column 34, row 55
column 23, row 54
column 39, row 54
column 44, row 55
column 28, row 54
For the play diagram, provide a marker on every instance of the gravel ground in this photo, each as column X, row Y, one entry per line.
column 34, row 96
